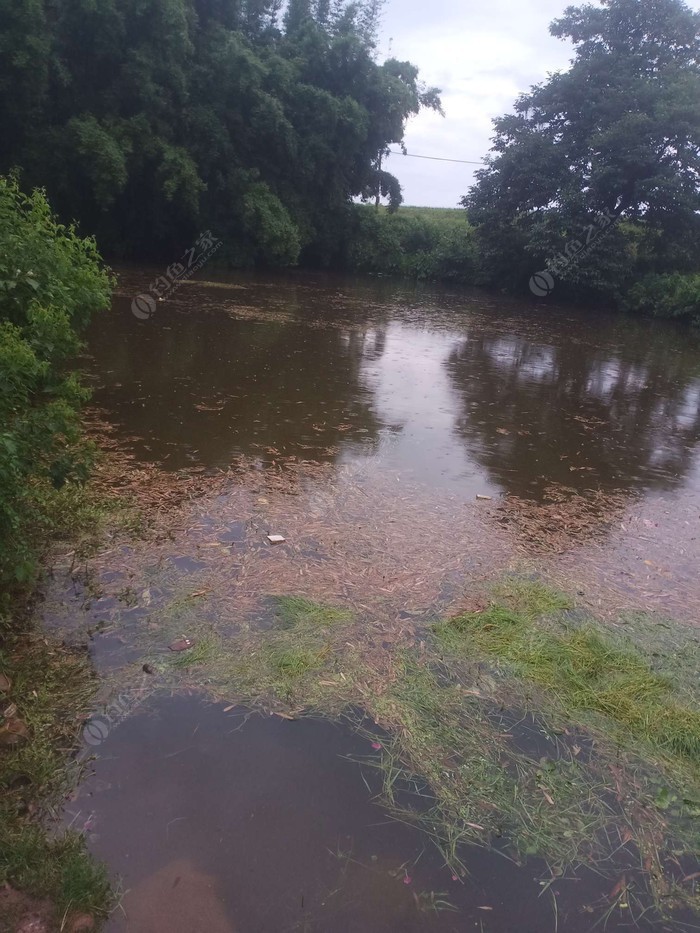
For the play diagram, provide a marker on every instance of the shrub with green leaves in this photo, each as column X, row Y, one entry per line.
column 671, row 295
column 422, row 243
column 51, row 280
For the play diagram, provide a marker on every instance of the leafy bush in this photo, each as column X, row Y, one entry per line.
column 51, row 280
column 422, row 243
column 669, row 295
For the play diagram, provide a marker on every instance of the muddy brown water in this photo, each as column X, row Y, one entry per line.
column 459, row 390
column 390, row 408
column 225, row 821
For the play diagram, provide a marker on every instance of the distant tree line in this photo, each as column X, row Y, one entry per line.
column 591, row 191
column 149, row 121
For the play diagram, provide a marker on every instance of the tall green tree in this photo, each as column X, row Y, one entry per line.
column 151, row 120
column 616, row 135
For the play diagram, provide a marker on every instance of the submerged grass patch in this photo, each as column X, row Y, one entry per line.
column 583, row 670
column 297, row 612
column 51, row 689
column 482, row 788
column 296, row 655
column 625, row 775
column 524, row 726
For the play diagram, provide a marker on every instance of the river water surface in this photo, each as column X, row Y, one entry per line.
column 407, row 443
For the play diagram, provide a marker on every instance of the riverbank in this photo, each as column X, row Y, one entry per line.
column 47, row 689
column 46, row 873
column 50, row 283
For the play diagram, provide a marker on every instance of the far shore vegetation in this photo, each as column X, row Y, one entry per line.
column 150, row 122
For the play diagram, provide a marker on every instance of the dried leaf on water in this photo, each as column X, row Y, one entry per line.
column 619, row 888
column 562, row 518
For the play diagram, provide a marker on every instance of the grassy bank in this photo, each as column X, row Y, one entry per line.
column 51, row 281
column 49, row 690
column 46, row 691
column 525, row 725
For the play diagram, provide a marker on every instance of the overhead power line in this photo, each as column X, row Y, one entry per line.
column 413, row 155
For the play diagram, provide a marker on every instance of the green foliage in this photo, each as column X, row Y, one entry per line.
column 616, row 135
column 582, row 668
column 669, row 295
column 270, row 227
column 150, row 120
column 414, row 242
column 52, row 689
column 50, row 282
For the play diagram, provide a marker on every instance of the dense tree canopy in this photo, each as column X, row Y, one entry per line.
column 149, row 120
column 617, row 135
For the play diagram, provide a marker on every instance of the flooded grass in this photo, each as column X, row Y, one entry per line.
column 210, row 857
column 51, row 689
column 296, row 613
column 297, row 658
column 582, row 669
column 486, row 790
column 603, row 775
column 579, row 676
column 587, row 674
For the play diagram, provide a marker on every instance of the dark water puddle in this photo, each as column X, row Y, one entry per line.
column 529, row 733
column 221, row 821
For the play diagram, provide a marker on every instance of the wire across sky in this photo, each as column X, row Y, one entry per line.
column 414, row 155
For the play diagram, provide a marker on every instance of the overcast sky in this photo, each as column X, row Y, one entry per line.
column 482, row 55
